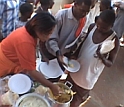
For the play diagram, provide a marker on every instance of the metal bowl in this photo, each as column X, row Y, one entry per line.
column 53, row 102
column 18, row 102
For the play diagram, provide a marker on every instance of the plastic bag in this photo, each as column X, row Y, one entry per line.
column 107, row 46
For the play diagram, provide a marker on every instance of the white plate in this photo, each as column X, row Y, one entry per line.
column 51, row 70
column 19, row 83
column 75, row 65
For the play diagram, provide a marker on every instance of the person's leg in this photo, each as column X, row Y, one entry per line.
column 80, row 96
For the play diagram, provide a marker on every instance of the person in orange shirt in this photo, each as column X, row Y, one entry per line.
column 17, row 51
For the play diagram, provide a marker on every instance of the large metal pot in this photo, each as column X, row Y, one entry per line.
column 54, row 103
column 31, row 95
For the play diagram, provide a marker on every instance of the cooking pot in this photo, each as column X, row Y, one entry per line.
column 55, row 103
column 18, row 102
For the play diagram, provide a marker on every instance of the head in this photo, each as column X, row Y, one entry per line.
column 47, row 4
column 105, row 21
column 81, row 8
column 26, row 9
column 105, row 4
column 41, row 25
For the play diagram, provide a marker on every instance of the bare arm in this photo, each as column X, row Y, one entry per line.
column 52, row 43
column 40, row 78
column 27, row 61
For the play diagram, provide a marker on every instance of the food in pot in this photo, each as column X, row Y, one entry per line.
column 71, row 65
column 33, row 101
column 65, row 95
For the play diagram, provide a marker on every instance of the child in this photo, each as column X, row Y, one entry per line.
column 91, row 67
column 45, row 5
column 105, row 4
column 26, row 9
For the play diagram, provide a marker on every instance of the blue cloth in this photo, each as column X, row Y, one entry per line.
column 9, row 10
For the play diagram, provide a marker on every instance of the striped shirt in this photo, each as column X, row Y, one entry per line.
column 9, row 10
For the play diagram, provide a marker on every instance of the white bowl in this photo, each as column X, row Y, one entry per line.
column 51, row 70
column 75, row 65
column 19, row 83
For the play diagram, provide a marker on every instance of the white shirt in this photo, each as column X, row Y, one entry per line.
column 91, row 67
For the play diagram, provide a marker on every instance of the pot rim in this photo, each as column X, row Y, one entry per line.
column 31, row 94
column 57, row 101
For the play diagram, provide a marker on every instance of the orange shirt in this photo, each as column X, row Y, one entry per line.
column 80, row 26
column 19, row 48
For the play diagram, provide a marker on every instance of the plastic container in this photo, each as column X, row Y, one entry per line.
column 3, row 86
column 107, row 46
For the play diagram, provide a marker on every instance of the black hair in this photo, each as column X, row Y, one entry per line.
column 42, row 22
column 108, row 16
column 107, row 3
column 44, row 2
column 86, row 2
column 25, row 8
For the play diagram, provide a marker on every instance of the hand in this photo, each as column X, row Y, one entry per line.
column 55, row 89
column 45, row 59
column 98, row 52
column 60, row 57
column 73, row 57
column 60, row 60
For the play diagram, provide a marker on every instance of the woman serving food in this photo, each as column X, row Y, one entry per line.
column 17, row 51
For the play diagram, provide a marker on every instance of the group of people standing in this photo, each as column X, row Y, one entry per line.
column 18, row 53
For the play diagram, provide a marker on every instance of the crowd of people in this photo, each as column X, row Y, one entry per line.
column 88, row 22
